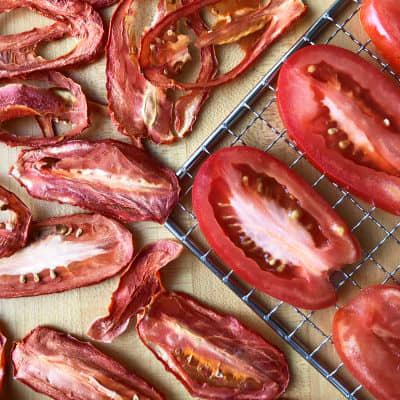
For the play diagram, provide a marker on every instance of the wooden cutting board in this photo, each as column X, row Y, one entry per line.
column 73, row 311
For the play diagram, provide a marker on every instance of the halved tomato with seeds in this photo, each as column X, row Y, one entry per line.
column 366, row 334
column 271, row 227
column 65, row 253
column 345, row 118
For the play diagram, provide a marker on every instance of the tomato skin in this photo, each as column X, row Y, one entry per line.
column 312, row 291
column 366, row 334
column 380, row 19
column 65, row 253
column 377, row 187
column 65, row 368
column 175, row 323
column 138, row 284
column 3, row 366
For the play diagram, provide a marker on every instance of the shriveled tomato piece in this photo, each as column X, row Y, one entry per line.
column 74, row 18
column 271, row 227
column 273, row 18
column 344, row 117
column 15, row 223
column 66, row 253
column 113, row 178
column 64, row 368
column 61, row 100
column 138, row 108
column 366, row 334
column 3, row 342
column 137, row 285
column 380, row 19
column 214, row 355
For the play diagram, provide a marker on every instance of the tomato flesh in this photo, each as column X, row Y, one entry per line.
column 344, row 117
column 270, row 227
column 366, row 334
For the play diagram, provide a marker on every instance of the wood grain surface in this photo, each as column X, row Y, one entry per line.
column 73, row 311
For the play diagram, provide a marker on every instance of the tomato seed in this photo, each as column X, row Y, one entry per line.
column 22, row 278
column 332, row 131
column 386, row 122
column 311, row 69
column 36, row 278
column 343, row 144
column 53, row 274
column 79, row 232
column 245, row 180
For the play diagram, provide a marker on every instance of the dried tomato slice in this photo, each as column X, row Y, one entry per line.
column 138, row 108
column 66, row 253
column 113, row 178
column 74, row 18
column 137, row 285
column 3, row 342
column 16, row 220
column 62, row 100
column 213, row 355
column 275, row 17
column 64, row 368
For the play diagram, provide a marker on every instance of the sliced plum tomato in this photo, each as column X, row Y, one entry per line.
column 366, row 334
column 273, row 18
column 344, row 117
column 61, row 100
column 3, row 343
column 15, row 221
column 64, row 368
column 73, row 18
column 381, row 21
column 137, row 286
column 271, row 227
column 138, row 108
column 66, row 253
column 213, row 355
column 106, row 176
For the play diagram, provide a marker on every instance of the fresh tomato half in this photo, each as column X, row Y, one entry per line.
column 213, row 355
column 366, row 334
column 381, row 21
column 345, row 117
column 271, row 227
column 65, row 253
column 64, row 368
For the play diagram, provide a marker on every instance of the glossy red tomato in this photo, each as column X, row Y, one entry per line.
column 271, row 227
column 381, row 21
column 345, row 117
column 366, row 334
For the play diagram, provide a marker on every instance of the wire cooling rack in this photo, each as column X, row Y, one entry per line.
column 255, row 122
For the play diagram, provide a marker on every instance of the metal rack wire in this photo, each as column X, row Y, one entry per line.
column 254, row 121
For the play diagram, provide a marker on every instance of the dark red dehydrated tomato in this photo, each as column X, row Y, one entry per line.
column 15, row 228
column 61, row 100
column 113, row 178
column 137, row 285
column 66, row 253
column 213, row 355
column 3, row 342
column 138, row 108
column 274, row 18
column 65, row 368
column 73, row 18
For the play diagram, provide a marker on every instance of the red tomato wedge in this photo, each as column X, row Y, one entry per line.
column 3, row 343
column 66, row 253
column 49, row 97
column 271, row 227
column 213, row 355
column 366, row 334
column 381, row 21
column 106, row 176
column 64, row 368
column 73, row 18
column 137, row 285
column 16, row 220
column 345, row 118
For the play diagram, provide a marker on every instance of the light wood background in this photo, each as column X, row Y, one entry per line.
column 73, row 311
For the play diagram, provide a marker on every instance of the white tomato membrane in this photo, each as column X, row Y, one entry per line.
column 283, row 237
column 52, row 252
